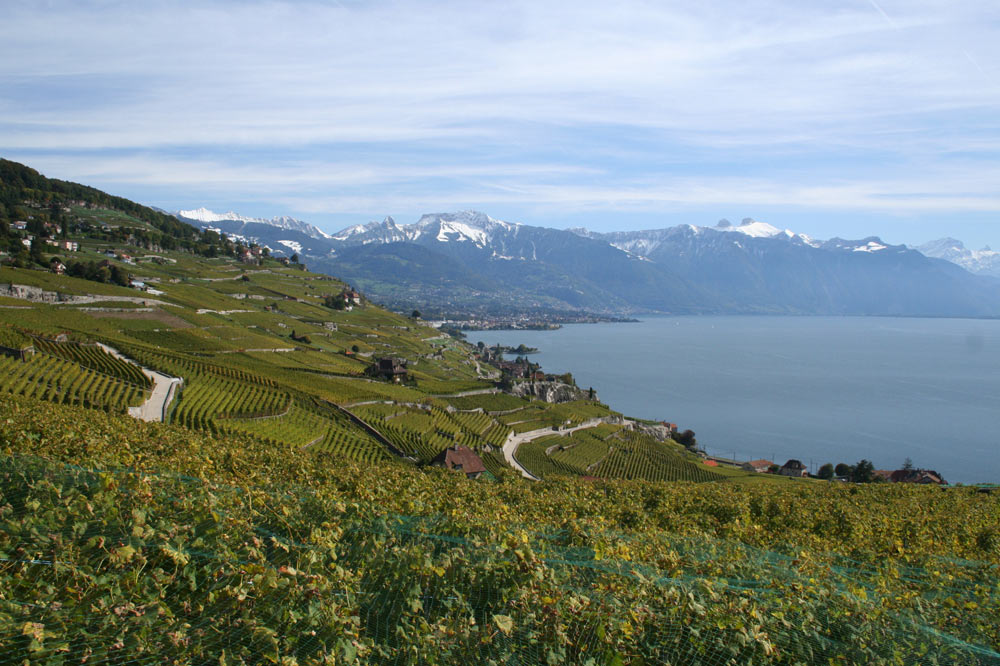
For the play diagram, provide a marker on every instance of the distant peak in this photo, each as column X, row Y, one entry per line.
column 747, row 221
column 724, row 224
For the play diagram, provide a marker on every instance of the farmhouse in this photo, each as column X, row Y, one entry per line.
column 924, row 476
column 390, row 368
column 793, row 468
column 759, row 466
column 461, row 459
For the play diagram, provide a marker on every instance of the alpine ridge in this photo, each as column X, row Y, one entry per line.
column 468, row 261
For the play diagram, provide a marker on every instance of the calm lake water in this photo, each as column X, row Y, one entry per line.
column 820, row 389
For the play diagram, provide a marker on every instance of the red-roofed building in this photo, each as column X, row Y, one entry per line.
column 759, row 466
column 461, row 459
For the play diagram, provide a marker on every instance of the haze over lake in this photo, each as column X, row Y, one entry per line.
column 821, row 389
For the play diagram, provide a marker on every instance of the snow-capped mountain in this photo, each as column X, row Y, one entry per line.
column 470, row 261
column 645, row 243
column 469, row 226
column 748, row 267
column 981, row 262
column 206, row 216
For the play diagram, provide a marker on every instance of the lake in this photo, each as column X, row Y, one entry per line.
column 820, row 389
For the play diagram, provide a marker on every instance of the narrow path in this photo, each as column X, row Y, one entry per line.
column 164, row 388
column 467, row 393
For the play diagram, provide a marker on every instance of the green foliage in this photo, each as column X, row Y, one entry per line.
column 863, row 472
column 92, row 356
column 64, row 382
column 155, row 544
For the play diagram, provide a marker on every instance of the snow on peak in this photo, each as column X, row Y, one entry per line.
column 984, row 261
column 464, row 226
column 870, row 246
column 202, row 215
column 752, row 227
column 205, row 215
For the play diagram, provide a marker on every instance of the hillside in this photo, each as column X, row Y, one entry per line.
column 286, row 511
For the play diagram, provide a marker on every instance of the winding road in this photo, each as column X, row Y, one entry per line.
column 515, row 440
column 164, row 389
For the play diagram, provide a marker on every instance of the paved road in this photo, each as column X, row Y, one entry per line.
column 515, row 440
column 164, row 389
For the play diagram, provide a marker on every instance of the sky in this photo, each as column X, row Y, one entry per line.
column 848, row 118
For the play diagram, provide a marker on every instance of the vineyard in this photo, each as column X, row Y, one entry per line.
column 321, row 431
column 57, row 380
column 127, row 542
column 93, row 357
column 207, row 397
column 424, row 433
column 489, row 402
column 611, row 452
column 538, row 415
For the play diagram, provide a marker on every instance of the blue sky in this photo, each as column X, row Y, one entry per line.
column 852, row 118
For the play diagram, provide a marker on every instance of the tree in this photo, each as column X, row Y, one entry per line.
column 686, row 439
column 907, row 464
column 843, row 469
column 37, row 245
column 826, row 472
column 294, row 258
column 415, row 314
column 863, row 472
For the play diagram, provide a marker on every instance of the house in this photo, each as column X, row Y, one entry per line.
column 351, row 297
column 671, row 427
column 793, row 468
column 760, row 466
column 137, row 284
column 390, row 368
column 57, row 267
column 20, row 225
column 72, row 246
column 461, row 459
column 923, row 476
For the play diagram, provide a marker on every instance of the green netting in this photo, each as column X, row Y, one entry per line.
column 103, row 567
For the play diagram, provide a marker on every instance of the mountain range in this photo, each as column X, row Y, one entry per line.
column 470, row 262
column 980, row 262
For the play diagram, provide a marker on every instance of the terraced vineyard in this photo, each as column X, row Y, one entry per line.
column 537, row 415
column 425, row 433
column 207, row 397
column 58, row 380
column 93, row 357
column 636, row 456
column 183, row 366
column 608, row 451
column 489, row 402
column 301, row 427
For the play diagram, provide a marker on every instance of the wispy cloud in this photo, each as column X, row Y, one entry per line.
column 363, row 107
